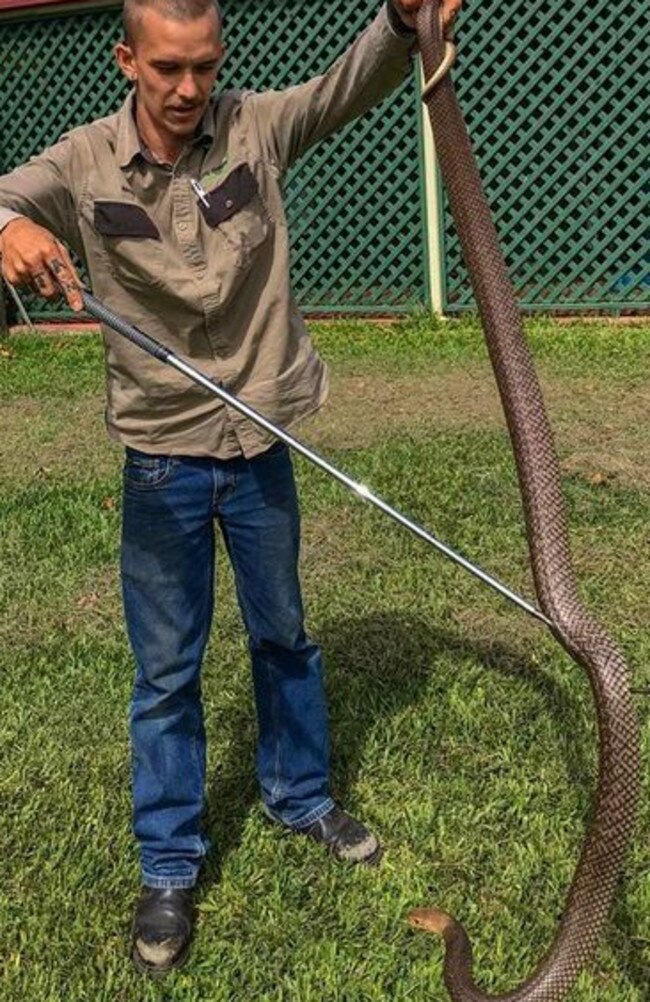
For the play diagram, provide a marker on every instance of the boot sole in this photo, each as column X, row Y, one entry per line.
column 158, row 972
column 374, row 859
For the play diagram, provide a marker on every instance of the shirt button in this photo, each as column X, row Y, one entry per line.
column 229, row 203
column 182, row 227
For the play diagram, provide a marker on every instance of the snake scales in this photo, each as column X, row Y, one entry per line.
column 613, row 815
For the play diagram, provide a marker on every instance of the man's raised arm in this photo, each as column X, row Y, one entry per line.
column 289, row 121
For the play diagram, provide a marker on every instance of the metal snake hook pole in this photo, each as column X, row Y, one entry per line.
column 102, row 313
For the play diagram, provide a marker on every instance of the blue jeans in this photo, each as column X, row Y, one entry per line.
column 168, row 566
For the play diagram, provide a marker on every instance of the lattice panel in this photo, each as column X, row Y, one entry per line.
column 354, row 203
column 556, row 97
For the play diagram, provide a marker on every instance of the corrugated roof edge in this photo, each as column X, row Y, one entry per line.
column 32, row 8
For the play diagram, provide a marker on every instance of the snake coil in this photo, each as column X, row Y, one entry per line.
column 606, row 842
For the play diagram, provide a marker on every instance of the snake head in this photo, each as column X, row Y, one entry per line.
column 431, row 920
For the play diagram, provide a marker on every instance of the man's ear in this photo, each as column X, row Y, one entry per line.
column 126, row 60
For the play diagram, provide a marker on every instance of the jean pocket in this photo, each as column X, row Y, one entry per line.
column 146, row 472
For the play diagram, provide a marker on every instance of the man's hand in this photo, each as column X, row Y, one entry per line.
column 408, row 9
column 31, row 255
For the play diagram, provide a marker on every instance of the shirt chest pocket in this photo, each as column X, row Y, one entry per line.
column 130, row 241
column 236, row 209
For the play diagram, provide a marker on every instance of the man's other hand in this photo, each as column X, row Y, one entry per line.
column 408, row 10
column 31, row 255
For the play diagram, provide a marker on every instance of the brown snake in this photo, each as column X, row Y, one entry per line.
column 594, row 883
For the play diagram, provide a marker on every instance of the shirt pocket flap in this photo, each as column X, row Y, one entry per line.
column 123, row 219
column 231, row 196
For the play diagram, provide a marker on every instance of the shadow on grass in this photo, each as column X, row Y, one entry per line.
column 368, row 654
column 232, row 791
column 372, row 651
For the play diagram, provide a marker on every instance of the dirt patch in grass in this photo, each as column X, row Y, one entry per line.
column 97, row 603
column 600, row 431
column 54, row 439
column 364, row 409
column 515, row 631
column 89, row 609
column 325, row 543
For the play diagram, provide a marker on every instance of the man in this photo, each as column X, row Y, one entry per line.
column 175, row 206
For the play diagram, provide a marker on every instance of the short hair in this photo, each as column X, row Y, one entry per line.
column 175, row 10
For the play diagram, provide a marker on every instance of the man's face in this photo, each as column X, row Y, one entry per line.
column 174, row 66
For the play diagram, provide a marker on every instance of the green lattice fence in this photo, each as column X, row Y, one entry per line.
column 554, row 91
column 354, row 203
column 556, row 96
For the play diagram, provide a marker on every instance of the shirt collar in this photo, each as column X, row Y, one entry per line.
column 129, row 144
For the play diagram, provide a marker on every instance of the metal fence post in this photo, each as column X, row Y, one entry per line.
column 433, row 214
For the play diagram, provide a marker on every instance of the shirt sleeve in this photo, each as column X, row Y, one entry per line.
column 396, row 23
column 39, row 191
column 289, row 121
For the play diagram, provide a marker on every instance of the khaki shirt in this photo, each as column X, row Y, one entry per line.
column 212, row 284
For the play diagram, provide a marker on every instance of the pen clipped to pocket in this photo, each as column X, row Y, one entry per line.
column 228, row 198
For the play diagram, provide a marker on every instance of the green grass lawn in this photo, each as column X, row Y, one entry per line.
column 460, row 729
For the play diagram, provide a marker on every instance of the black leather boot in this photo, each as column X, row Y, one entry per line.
column 162, row 929
column 345, row 837
column 342, row 835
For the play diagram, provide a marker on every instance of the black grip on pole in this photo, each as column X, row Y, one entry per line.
column 118, row 324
